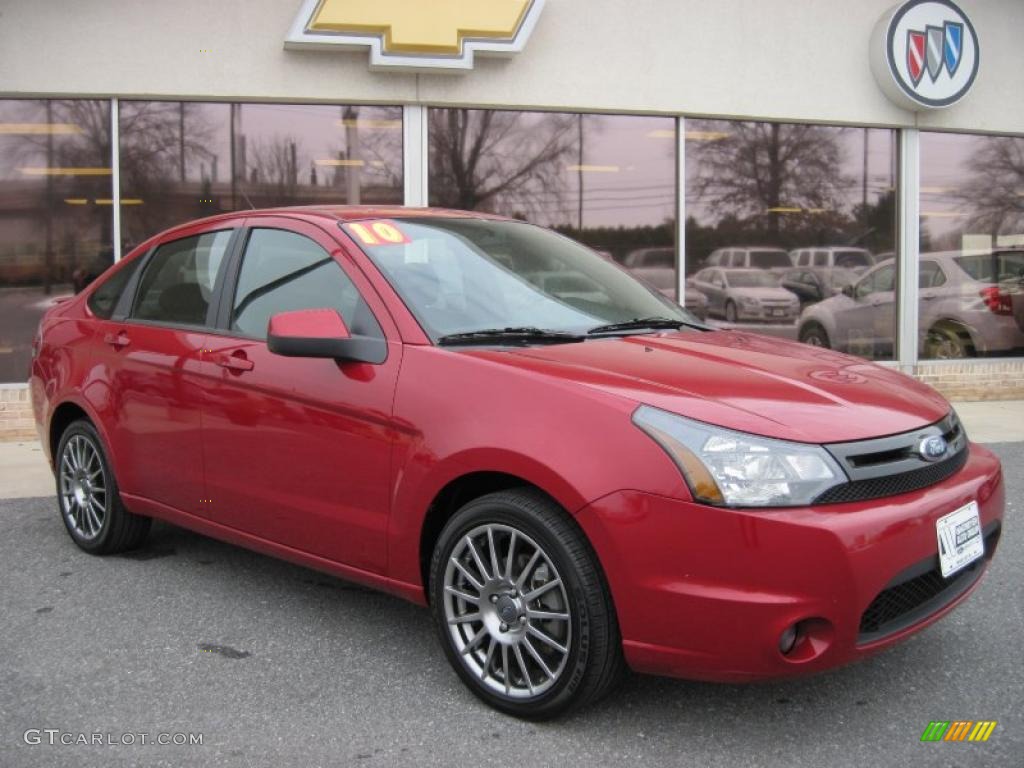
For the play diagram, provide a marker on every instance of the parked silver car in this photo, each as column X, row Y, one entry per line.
column 746, row 294
column 966, row 308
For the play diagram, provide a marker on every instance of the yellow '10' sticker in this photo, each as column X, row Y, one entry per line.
column 378, row 233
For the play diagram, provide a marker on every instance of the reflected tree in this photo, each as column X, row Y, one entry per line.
column 499, row 161
column 768, row 173
column 993, row 196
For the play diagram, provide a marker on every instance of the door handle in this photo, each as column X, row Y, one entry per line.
column 117, row 340
column 236, row 362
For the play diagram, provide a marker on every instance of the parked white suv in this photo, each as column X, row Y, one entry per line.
column 774, row 260
column 831, row 256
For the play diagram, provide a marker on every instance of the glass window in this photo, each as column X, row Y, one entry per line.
column 608, row 181
column 104, row 298
column 55, row 193
column 179, row 280
column 824, row 194
column 463, row 275
column 930, row 275
column 185, row 160
column 972, row 226
column 881, row 280
column 284, row 271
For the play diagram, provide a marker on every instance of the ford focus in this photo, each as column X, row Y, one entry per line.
column 486, row 418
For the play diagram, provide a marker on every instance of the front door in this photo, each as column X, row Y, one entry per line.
column 298, row 451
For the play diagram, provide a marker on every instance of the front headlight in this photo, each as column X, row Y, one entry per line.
column 750, row 301
column 734, row 469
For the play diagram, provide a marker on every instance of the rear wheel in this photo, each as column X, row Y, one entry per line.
column 815, row 335
column 522, row 608
column 88, row 497
column 948, row 342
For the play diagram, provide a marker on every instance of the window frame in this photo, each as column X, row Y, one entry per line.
column 215, row 292
column 222, row 323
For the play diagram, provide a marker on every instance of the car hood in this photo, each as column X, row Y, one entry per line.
column 742, row 381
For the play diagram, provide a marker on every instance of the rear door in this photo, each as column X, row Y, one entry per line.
column 298, row 450
column 150, row 352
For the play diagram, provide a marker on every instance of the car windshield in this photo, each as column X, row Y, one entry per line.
column 770, row 259
column 838, row 278
column 751, row 279
column 461, row 275
column 993, row 267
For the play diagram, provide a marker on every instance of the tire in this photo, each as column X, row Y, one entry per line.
column 948, row 342
column 581, row 659
column 731, row 315
column 815, row 335
column 88, row 498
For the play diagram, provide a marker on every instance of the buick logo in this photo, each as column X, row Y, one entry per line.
column 932, row 448
column 925, row 53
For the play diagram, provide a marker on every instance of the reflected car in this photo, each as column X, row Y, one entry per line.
column 814, row 284
column 657, row 268
column 751, row 295
column 833, row 256
column 774, row 260
column 483, row 417
column 966, row 308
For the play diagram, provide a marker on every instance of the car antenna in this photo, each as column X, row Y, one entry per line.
column 251, row 206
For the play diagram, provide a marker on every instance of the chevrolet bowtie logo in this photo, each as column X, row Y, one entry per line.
column 417, row 34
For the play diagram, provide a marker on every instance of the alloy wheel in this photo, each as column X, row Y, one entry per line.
column 83, row 487
column 507, row 611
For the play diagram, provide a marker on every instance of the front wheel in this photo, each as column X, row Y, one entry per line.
column 88, row 497
column 522, row 608
column 731, row 315
column 815, row 335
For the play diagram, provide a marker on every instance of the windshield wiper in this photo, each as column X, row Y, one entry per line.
column 525, row 334
column 643, row 323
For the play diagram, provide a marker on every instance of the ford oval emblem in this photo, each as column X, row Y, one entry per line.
column 932, row 448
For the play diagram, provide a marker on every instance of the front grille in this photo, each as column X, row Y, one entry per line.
column 915, row 595
column 892, row 485
column 888, row 466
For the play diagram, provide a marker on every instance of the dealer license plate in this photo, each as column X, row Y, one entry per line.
column 778, row 313
column 960, row 542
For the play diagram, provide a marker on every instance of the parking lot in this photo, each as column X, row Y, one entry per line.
column 276, row 665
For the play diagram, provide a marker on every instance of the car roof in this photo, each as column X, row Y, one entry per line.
column 343, row 213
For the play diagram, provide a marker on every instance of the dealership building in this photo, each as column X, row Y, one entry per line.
column 866, row 157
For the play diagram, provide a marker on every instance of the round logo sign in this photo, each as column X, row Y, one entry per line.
column 925, row 54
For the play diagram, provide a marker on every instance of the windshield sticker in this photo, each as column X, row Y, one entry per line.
column 378, row 233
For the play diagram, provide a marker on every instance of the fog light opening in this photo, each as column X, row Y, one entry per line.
column 806, row 640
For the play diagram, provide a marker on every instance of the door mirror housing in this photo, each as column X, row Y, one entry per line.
column 321, row 333
column 848, row 290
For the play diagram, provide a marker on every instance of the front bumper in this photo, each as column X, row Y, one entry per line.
column 767, row 314
column 705, row 593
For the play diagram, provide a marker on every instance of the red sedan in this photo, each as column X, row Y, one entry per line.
column 483, row 416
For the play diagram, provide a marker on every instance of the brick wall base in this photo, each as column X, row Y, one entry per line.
column 16, row 421
column 973, row 380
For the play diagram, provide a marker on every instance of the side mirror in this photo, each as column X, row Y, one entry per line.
column 321, row 333
column 848, row 291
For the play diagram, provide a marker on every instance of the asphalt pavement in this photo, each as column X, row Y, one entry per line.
column 276, row 665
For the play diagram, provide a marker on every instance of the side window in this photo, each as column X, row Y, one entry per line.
column 877, row 282
column 179, row 279
column 821, row 258
column 103, row 300
column 930, row 275
column 284, row 271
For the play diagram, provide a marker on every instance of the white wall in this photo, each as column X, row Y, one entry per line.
column 788, row 59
